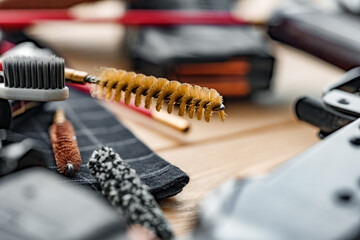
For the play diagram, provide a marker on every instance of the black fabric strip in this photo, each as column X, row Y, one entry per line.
column 96, row 127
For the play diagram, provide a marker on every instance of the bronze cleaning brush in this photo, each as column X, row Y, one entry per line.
column 112, row 82
column 65, row 147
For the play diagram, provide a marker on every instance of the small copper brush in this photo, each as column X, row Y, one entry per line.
column 65, row 147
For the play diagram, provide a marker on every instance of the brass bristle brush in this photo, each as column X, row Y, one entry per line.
column 110, row 84
column 65, row 147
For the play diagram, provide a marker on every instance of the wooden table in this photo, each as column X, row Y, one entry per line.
column 259, row 133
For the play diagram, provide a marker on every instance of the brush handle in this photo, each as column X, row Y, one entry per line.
column 18, row 19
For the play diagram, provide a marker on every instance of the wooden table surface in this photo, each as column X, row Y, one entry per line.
column 259, row 133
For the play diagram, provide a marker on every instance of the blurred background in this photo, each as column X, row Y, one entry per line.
column 260, row 55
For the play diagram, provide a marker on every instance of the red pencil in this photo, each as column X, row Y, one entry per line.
column 18, row 19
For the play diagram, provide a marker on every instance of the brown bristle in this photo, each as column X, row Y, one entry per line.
column 101, row 85
column 154, row 90
column 120, row 87
column 214, row 98
column 133, row 84
column 205, row 99
column 178, row 93
column 109, row 87
column 197, row 99
column 65, row 147
column 146, row 84
column 196, row 91
column 222, row 115
column 166, row 92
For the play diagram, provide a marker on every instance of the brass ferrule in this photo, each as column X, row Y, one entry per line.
column 75, row 75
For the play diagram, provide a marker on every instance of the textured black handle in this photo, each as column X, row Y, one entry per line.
column 316, row 113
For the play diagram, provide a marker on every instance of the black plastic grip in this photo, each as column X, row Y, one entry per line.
column 316, row 113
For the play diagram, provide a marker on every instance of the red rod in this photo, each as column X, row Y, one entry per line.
column 18, row 19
